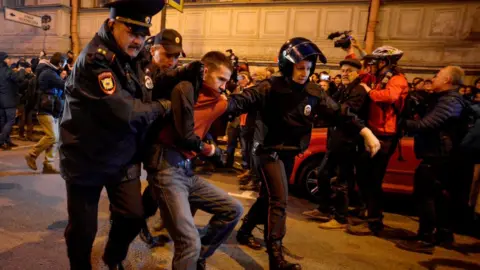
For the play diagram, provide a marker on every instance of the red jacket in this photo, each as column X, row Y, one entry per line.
column 382, row 117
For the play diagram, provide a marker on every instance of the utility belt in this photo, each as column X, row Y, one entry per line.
column 274, row 152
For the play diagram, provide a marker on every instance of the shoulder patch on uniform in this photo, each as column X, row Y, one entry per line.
column 107, row 82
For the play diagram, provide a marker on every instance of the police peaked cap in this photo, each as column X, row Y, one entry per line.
column 136, row 14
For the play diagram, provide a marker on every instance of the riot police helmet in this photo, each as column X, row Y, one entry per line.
column 296, row 50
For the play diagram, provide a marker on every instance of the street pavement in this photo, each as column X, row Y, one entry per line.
column 33, row 217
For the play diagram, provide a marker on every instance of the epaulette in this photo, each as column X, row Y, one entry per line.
column 314, row 90
column 102, row 55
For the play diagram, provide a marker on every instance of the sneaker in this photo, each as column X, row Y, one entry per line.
column 31, row 162
column 418, row 246
column 361, row 229
column 252, row 186
column 48, row 169
column 318, row 215
column 365, row 228
column 11, row 144
column 244, row 174
column 333, row 224
column 6, row 147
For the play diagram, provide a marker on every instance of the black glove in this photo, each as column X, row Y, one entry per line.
column 219, row 159
column 166, row 104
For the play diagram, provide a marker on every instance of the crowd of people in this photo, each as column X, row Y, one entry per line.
column 126, row 101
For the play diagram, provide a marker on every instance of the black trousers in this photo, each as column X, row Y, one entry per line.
column 127, row 218
column 439, row 188
column 335, row 196
column 233, row 139
column 150, row 205
column 246, row 141
column 271, row 205
column 370, row 173
column 26, row 114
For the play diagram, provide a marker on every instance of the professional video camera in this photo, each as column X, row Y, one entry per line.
column 234, row 60
column 342, row 39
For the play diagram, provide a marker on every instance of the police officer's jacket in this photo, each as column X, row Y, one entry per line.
column 288, row 111
column 107, row 112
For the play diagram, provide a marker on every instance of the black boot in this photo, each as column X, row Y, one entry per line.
column 276, row 258
column 248, row 240
column 201, row 264
column 116, row 266
column 245, row 237
column 152, row 241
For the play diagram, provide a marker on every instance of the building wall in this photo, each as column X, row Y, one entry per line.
column 432, row 33
column 24, row 40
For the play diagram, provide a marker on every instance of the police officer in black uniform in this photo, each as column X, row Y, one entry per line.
column 108, row 109
column 288, row 106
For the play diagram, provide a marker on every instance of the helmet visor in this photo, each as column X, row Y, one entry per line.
column 299, row 52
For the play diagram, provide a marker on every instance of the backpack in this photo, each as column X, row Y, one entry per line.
column 470, row 144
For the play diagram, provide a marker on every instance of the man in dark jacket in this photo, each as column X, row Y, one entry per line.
column 108, row 110
column 50, row 107
column 342, row 150
column 9, row 83
column 165, row 50
column 25, row 110
column 438, row 134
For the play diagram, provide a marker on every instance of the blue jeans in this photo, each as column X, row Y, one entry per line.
column 177, row 193
column 7, row 119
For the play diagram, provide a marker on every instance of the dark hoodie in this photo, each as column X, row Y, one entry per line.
column 50, row 89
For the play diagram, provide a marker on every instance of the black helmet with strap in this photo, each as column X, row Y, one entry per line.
column 294, row 51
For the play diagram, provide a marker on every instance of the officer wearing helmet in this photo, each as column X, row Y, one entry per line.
column 107, row 111
column 387, row 99
column 288, row 106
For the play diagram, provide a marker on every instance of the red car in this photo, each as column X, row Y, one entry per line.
column 398, row 179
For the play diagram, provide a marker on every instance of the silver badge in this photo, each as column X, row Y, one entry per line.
column 307, row 110
column 148, row 82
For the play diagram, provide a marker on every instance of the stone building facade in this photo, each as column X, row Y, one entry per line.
column 432, row 33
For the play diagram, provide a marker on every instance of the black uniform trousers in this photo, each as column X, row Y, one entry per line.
column 246, row 142
column 127, row 217
column 150, row 205
column 233, row 134
column 370, row 173
column 271, row 205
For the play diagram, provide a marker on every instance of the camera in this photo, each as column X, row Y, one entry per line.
column 325, row 77
column 341, row 39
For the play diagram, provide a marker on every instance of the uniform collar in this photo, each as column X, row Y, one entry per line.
column 106, row 36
